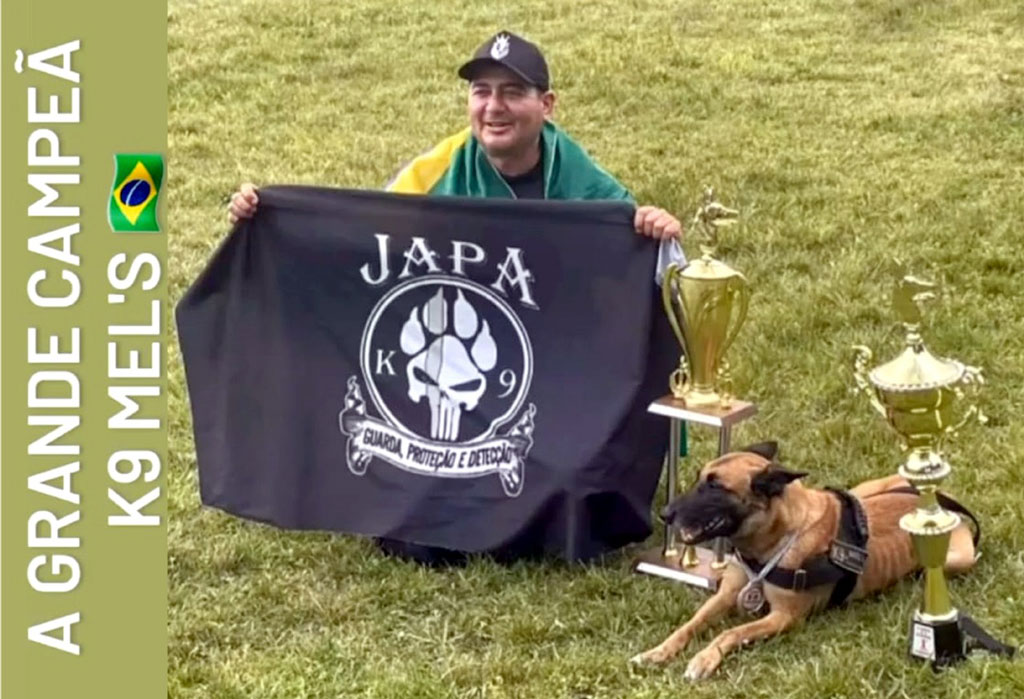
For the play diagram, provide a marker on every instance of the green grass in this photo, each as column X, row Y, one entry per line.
column 846, row 132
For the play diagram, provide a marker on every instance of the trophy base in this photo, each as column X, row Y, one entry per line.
column 712, row 415
column 948, row 641
column 701, row 399
column 939, row 642
column 705, row 573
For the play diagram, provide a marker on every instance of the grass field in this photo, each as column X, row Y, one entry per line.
column 847, row 132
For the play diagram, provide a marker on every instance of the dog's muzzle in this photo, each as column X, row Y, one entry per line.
column 701, row 516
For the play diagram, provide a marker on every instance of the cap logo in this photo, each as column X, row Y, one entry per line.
column 499, row 49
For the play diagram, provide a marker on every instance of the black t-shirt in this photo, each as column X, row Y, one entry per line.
column 529, row 185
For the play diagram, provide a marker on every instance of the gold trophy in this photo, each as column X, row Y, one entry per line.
column 916, row 393
column 706, row 302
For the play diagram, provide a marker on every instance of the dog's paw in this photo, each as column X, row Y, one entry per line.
column 704, row 664
column 655, row 656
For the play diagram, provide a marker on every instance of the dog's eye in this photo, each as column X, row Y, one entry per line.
column 711, row 483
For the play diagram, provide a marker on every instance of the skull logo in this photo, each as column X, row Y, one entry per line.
column 441, row 368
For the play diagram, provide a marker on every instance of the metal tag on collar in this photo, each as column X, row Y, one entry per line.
column 751, row 598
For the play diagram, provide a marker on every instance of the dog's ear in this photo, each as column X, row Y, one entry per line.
column 770, row 482
column 768, row 450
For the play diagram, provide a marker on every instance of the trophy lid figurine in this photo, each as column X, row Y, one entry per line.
column 706, row 302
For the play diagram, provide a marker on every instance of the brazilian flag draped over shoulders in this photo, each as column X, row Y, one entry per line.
column 458, row 166
column 133, row 197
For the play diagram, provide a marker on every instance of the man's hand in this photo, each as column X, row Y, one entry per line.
column 243, row 203
column 656, row 223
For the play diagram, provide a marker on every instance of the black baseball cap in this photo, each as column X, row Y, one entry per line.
column 513, row 52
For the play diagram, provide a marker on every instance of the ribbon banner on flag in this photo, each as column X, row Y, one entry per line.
column 465, row 373
column 368, row 438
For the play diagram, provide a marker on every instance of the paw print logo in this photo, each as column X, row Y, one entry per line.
column 451, row 349
column 446, row 360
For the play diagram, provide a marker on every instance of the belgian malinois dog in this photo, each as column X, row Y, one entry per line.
column 767, row 513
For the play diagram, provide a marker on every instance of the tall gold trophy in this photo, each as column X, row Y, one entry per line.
column 916, row 393
column 706, row 302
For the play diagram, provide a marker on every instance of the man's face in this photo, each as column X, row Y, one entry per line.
column 506, row 114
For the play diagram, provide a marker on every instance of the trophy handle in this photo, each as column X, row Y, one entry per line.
column 668, row 285
column 739, row 289
column 861, row 357
column 679, row 380
column 972, row 380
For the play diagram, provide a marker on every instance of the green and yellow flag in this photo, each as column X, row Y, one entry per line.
column 133, row 196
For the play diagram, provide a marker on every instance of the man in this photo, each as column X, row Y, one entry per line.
column 511, row 149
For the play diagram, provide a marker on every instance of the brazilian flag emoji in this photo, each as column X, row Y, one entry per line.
column 133, row 197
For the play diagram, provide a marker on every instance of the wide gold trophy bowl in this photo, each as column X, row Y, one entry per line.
column 706, row 303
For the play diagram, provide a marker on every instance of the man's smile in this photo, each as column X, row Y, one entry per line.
column 498, row 127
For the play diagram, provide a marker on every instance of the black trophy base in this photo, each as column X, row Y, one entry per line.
column 939, row 642
column 947, row 642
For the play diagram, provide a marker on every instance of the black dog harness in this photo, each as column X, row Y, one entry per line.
column 848, row 553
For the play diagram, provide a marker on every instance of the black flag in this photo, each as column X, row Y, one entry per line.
column 464, row 373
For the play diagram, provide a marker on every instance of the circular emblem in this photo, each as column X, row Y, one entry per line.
column 134, row 193
column 446, row 358
column 751, row 597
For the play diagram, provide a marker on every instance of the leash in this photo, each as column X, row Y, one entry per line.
column 978, row 637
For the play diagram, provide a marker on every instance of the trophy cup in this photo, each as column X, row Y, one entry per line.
column 916, row 393
column 706, row 303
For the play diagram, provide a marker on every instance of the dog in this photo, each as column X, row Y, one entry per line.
column 766, row 512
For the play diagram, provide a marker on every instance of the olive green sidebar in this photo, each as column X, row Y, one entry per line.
column 83, row 364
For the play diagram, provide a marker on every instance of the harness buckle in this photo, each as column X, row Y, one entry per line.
column 799, row 580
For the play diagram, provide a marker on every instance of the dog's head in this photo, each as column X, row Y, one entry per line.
column 734, row 495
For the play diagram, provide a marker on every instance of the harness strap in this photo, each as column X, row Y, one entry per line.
column 849, row 550
column 817, row 570
column 843, row 563
column 946, row 502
